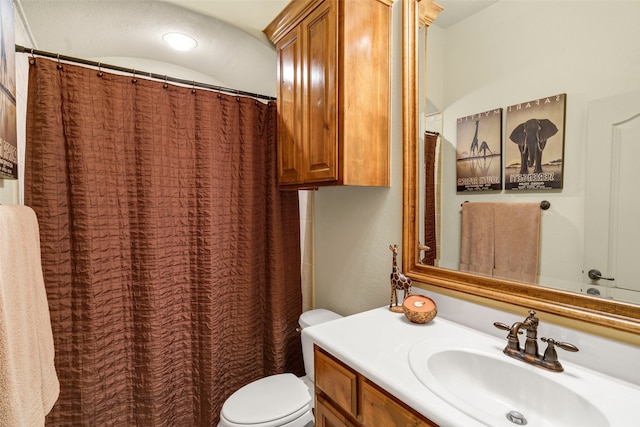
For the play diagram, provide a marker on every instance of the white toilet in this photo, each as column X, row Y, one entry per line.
column 282, row 400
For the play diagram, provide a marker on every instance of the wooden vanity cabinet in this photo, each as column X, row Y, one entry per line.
column 346, row 398
column 333, row 71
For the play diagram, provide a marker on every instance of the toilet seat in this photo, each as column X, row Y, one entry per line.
column 277, row 400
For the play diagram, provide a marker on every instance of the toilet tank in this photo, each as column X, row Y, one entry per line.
column 311, row 318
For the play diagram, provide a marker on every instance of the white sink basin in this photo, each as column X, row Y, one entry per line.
column 479, row 380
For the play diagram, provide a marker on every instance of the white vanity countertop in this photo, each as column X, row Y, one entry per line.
column 377, row 343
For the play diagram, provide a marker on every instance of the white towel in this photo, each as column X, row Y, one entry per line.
column 29, row 385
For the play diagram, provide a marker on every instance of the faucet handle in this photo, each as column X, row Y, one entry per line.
column 550, row 354
column 501, row 326
column 504, row 327
column 563, row 345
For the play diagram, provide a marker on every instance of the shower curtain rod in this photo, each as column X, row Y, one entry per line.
column 100, row 65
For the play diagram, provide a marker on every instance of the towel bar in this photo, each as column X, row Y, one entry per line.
column 544, row 205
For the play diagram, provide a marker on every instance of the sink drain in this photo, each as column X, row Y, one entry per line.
column 516, row 418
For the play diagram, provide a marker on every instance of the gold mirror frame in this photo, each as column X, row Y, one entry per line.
column 602, row 312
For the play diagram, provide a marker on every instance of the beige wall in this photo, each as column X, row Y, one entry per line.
column 354, row 226
column 511, row 52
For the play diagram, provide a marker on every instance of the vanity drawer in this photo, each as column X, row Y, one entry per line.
column 337, row 382
column 380, row 409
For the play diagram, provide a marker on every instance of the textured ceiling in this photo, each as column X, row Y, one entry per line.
column 229, row 32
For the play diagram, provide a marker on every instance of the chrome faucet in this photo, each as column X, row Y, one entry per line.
column 530, row 352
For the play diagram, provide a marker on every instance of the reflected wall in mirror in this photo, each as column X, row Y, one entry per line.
column 496, row 58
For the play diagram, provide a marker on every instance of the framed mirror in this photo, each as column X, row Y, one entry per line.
column 603, row 312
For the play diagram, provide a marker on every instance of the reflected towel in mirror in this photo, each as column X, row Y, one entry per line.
column 477, row 246
column 517, row 241
column 501, row 240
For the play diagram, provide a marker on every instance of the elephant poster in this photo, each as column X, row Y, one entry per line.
column 534, row 152
column 479, row 152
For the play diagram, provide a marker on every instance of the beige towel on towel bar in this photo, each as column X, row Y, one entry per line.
column 29, row 385
column 501, row 240
column 477, row 234
column 517, row 241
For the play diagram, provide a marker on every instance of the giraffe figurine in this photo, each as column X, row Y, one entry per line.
column 398, row 282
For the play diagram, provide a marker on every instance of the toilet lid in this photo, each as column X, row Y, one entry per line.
column 267, row 399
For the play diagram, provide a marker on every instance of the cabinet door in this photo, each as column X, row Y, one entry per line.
column 321, row 94
column 381, row 410
column 289, row 108
column 327, row 416
column 338, row 382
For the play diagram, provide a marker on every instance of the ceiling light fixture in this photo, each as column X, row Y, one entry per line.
column 180, row 41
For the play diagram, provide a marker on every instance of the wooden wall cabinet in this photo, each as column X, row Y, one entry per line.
column 347, row 398
column 334, row 85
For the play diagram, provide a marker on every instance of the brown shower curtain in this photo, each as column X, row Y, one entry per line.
column 171, row 261
column 430, row 230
